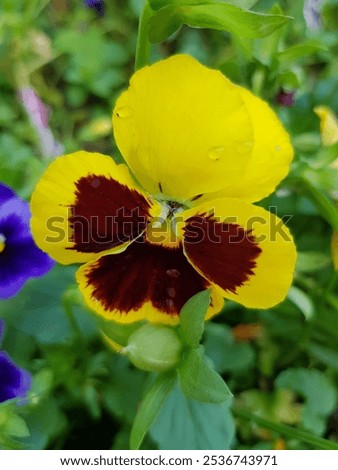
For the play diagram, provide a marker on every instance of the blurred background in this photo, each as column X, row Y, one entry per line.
column 62, row 65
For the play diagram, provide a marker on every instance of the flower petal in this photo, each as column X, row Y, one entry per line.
column 244, row 250
column 15, row 382
column 183, row 129
column 86, row 205
column 186, row 130
column 6, row 193
column 144, row 282
column 328, row 125
column 20, row 258
column 271, row 156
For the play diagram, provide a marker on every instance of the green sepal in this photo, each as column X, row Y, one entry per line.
column 192, row 318
column 199, row 381
column 117, row 332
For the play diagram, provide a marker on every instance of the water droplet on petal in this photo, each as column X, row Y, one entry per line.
column 215, row 153
column 95, row 183
column 170, row 304
column 244, row 147
column 171, row 292
column 173, row 273
column 123, row 112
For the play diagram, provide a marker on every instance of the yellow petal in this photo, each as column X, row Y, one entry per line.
column 328, row 125
column 183, row 128
column 76, row 203
column 242, row 249
column 186, row 130
column 271, row 156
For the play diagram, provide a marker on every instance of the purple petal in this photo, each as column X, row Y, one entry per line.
column 21, row 259
column 97, row 5
column 20, row 262
column 6, row 193
column 14, row 381
column 38, row 114
column 36, row 109
column 311, row 14
column 286, row 98
column 14, row 220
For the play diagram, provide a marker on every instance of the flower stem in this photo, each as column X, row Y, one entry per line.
column 287, row 431
column 143, row 44
column 325, row 206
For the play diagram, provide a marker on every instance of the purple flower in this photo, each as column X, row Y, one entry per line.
column 285, row 98
column 20, row 258
column 97, row 5
column 38, row 114
column 14, row 381
column 311, row 14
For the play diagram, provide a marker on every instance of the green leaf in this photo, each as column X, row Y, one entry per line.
column 293, row 54
column 303, row 302
column 324, row 355
column 192, row 318
column 227, row 355
column 288, row 431
column 163, row 24
column 311, row 261
column 188, row 424
column 264, row 49
column 245, row 4
column 312, row 385
column 150, row 407
column 324, row 205
column 36, row 310
column 217, row 16
column 121, row 404
column 45, row 422
column 199, row 381
column 16, row 426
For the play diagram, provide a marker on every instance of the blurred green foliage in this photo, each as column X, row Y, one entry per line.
column 280, row 363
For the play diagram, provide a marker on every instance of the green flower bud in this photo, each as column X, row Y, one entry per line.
column 154, row 348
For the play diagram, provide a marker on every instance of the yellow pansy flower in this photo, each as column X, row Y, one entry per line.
column 328, row 125
column 200, row 150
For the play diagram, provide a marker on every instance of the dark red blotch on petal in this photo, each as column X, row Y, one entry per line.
column 224, row 252
column 106, row 214
column 142, row 273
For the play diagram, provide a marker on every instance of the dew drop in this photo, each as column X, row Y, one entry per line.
column 215, row 153
column 95, row 183
column 123, row 112
column 173, row 273
column 171, row 292
column 170, row 304
column 244, row 147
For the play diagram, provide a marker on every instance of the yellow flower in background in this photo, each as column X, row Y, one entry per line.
column 179, row 220
column 334, row 249
column 328, row 125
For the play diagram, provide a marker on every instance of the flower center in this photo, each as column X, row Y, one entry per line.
column 2, row 242
column 162, row 229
